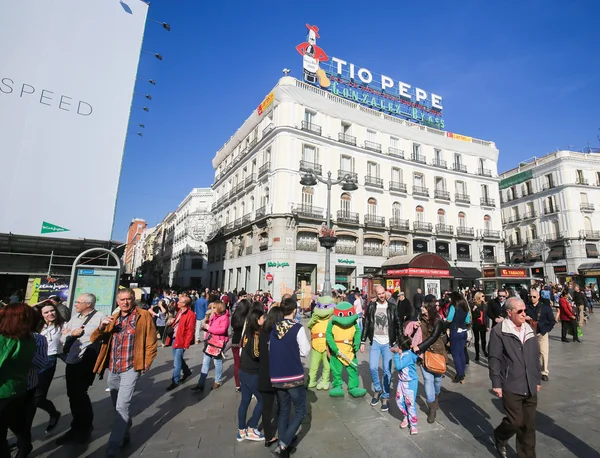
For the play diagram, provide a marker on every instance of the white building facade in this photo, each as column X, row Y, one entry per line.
column 550, row 217
column 419, row 190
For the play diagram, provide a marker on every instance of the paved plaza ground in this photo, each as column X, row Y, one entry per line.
column 186, row 424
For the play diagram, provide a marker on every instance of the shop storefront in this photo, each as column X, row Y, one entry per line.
column 560, row 272
column 506, row 277
column 427, row 271
column 345, row 272
column 589, row 273
column 306, row 273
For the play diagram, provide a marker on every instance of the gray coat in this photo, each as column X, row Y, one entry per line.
column 514, row 366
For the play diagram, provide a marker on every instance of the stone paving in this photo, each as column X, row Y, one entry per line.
column 185, row 424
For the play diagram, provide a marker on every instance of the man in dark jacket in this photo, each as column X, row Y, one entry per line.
column 382, row 328
column 403, row 309
column 417, row 303
column 515, row 371
column 496, row 311
column 541, row 317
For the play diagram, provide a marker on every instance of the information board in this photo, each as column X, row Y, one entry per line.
column 100, row 281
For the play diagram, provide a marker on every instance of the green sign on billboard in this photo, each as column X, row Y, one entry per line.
column 516, row 179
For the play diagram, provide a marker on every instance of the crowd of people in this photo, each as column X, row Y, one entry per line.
column 267, row 342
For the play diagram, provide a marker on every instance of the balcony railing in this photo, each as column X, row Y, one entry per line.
column 268, row 129
column 306, row 245
column 487, row 202
column 463, row 257
column 238, row 223
column 250, row 179
column 252, row 143
column 490, row 258
column 376, row 182
column 239, row 187
column 550, row 210
column 396, row 152
column 418, row 158
column 515, row 243
column 345, row 249
column 396, row 186
column 582, row 181
column 420, row 191
column 459, row 168
column 444, row 229
column 264, row 169
column 552, row 237
column 441, row 194
column 344, row 216
column 261, row 212
column 373, row 251
column 512, row 196
column 397, row 251
column 343, row 173
column 586, row 207
column 308, row 211
column 421, row 226
column 484, row 172
column 439, row 163
column 263, row 245
column 529, row 215
column 214, row 206
column 443, row 254
column 310, row 127
column 306, row 166
column 592, row 235
column 462, row 198
column 548, row 186
column 513, row 219
column 347, row 139
column 247, row 218
column 489, row 234
column 463, row 231
column 372, row 146
column 399, row 224
column 375, row 221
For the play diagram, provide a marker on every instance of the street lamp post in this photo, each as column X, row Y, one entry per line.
column 348, row 184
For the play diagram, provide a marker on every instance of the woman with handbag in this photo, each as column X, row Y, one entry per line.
column 433, row 351
column 238, row 320
column 459, row 317
column 479, row 314
column 216, row 339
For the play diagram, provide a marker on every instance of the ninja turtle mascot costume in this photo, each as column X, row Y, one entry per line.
column 343, row 338
column 318, row 327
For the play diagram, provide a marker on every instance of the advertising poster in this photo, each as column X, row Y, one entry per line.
column 592, row 281
column 432, row 286
column 49, row 286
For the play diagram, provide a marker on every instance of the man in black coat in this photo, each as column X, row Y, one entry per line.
column 496, row 309
column 417, row 303
column 541, row 318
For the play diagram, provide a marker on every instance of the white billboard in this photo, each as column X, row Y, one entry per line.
column 67, row 73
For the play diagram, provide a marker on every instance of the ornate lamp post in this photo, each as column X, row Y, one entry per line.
column 327, row 237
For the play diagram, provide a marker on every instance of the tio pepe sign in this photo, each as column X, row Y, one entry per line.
column 269, row 277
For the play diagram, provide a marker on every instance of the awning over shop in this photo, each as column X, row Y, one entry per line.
column 591, row 250
column 465, row 273
column 417, row 265
column 589, row 268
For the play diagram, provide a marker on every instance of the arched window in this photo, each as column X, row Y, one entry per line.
column 266, row 197
column 372, row 206
column 441, row 215
column 345, row 200
column 396, row 211
column 419, row 213
column 462, row 219
column 307, row 196
column 243, row 213
column 487, row 223
column 234, row 213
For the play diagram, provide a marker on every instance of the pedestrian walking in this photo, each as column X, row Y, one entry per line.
column 541, row 318
column 568, row 318
column 238, row 320
column 200, row 308
column 515, row 372
column 265, row 386
column 480, row 321
column 458, row 318
column 184, row 328
column 405, row 361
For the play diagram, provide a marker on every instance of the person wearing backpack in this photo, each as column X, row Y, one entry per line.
column 479, row 313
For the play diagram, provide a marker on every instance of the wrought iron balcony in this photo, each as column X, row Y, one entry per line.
column 529, row 215
column 459, row 168
column 439, row 163
column 261, row 212
column 347, row 139
column 307, row 245
column 420, row 191
column 238, row 223
column 264, row 169
column 441, row 194
column 345, row 249
column 375, row 221
column 418, row 158
column 489, row 234
column 586, row 207
column 375, row 182
column 548, row 186
column 214, row 206
column 308, row 211
column 372, row 146
column 513, row 219
column 347, row 217
column 513, row 196
column 252, row 143
column 247, row 218
column 462, row 198
column 552, row 237
column 397, row 251
column 487, row 202
column 444, row 229
column 373, row 251
column 516, row 243
column 484, row 172
column 464, row 257
column 550, row 210
column 310, row 127
column 592, row 235
column 250, row 180
column 396, row 186
column 463, row 231
column 268, row 129
column 396, row 152
column 489, row 258
column 306, row 166
column 582, row 181
column 239, row 187
column 420, row 226
column 443, row 254
column 343, row 173
column 399, row 224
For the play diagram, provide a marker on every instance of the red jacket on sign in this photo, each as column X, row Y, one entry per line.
column 185, row 320
column 566, row 311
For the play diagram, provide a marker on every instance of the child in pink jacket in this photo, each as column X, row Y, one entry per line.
column 217, row 336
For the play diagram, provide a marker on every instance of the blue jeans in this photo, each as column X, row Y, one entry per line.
column 179, row 364
column 286, row 428
column 249, row 386
column 458, row 341
column 122, row 387
column 218, row 367
column 432, row 384
column 360, row 321
column 384, row 351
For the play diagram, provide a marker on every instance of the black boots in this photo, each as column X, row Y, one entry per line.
column 433, row 406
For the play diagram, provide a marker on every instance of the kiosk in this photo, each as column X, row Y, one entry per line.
column 506, row 277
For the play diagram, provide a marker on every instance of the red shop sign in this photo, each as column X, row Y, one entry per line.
column 416, row 272
column 489, row 273
column 513, row 273
column 269, row 277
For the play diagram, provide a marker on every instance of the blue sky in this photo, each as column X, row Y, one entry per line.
column 521, row 73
